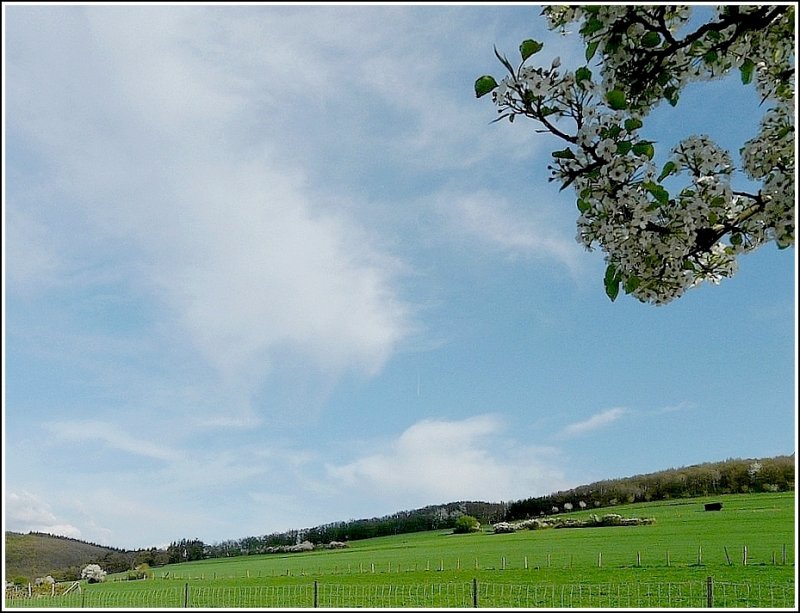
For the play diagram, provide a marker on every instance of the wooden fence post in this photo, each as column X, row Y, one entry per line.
column 185, row 595
column 744, row 555
column 710, row 592
column 474, row 593
column 316, row 595
column 727, row 557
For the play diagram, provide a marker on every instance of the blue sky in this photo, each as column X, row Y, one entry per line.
column 267, row 267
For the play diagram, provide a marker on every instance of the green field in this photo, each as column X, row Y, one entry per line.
column 675, row 555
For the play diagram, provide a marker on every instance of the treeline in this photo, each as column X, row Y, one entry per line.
column 729, row 477
column 403, row 522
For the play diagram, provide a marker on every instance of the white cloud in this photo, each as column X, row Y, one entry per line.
column 25, row 512
column 440, row 461
column 528, row 233
column 599, row 420
column 110, row 435
column 29, row 245
column 252, row 261
column 674, row 408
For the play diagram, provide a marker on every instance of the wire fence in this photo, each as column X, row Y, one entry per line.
column 690, row 594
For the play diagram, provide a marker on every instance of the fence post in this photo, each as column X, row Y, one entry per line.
column 185, row 595
column 316, row 595
column 710, row 592
column 474, row 593
column 83, row 597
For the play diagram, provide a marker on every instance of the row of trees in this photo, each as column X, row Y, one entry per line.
column 729, row 477
column 403, row 522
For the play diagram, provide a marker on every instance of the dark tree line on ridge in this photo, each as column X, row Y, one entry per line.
column 729, row 477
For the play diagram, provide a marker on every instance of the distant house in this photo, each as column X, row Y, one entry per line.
column 713, row 506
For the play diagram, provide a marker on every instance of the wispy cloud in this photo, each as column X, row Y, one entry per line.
column 517, row 233
column 25, row 512
column 110, row 435
column 248, row 258
column 674, row 408
column 438, row 461
column 595, row 422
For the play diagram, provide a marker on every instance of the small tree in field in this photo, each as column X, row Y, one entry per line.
column 93, row 573
column 466, row 524
column 663, row 230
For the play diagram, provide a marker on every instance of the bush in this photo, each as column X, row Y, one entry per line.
column 466, row 524
column 93, row 573
column 142, row 571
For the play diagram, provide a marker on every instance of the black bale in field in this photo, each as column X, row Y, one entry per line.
column 713, row 506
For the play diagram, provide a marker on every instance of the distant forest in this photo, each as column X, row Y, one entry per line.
column 729, row 477
column 732, row 476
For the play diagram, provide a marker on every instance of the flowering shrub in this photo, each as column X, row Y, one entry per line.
column 93, row 573
column 660, row 242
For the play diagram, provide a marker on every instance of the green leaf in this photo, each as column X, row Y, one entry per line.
column 668, row 169
column 710, row 57
column 659, row 193
column 564, row 154
column 631, row 283
column 747, row 70
column 736, row 239
column 484, row 85
column 623, row 147
column 529, row 47
column 651, row 39
column 583, row 74
column 632, row 124
column 591, row 26
column 583, row 206
column 611, row 282
column 591, row 49
column 616, row 99
column 644, row 148
column 671, row 94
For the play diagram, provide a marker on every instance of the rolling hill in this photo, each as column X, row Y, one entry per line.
column 37, row 555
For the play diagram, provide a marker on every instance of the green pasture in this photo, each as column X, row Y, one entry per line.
column 684, row 541
column 685, row 544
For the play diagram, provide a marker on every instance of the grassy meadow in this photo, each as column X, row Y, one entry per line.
column 685, row 544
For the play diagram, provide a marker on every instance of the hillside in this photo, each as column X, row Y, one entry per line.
column 733, row 476
column 37, row 555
